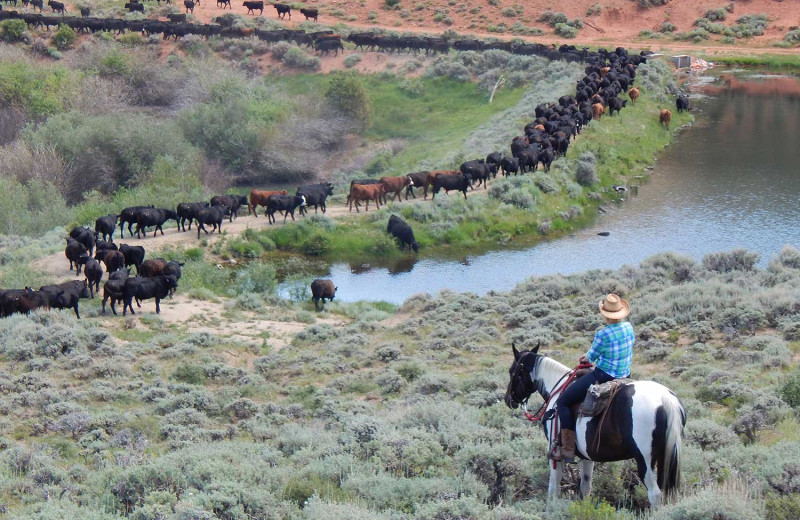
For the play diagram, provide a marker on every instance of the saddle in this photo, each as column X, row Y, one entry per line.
column 599, row 397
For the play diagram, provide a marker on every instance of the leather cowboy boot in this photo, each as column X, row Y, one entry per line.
column 564, row 449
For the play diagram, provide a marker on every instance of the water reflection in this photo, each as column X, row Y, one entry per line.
column 729, row 181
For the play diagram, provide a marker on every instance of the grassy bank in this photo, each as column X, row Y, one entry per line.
column 790, row 62
column 400, row 419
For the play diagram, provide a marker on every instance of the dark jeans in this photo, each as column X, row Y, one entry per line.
column 575, row 394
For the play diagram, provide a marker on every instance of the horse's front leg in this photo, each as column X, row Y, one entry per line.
column 586, row 467
column 554, row 488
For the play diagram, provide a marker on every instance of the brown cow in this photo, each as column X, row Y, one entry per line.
column 321, row 289
column 604, row 71
column 395, row 185
column 539, row 127
column 432, row 175
column 633, row 93
column 597, row 111
column 365, row 192
column 259, row 198
column 665, row 117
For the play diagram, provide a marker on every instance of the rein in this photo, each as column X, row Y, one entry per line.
column 559, row 387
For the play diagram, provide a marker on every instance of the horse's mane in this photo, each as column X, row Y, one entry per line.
column 549, row 371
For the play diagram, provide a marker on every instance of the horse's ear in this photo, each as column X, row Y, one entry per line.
column 535, row 350
column 515, row 351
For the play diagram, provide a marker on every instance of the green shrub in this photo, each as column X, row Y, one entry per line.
column 647, row 33
column 792, row 37
column 736, row 260
column 190, row 374
column 667, row 27
column 552, row 18
column 12, row 30
column 716, row 15
column 646, row 4
column 585, row 171
column 750, row 25
column 347, row 93
column 594, row 9
column 782, row 507
column 790, row 389
column 591, row 509
column 352, row 60
column 296, row 57
column 64, row 37
column 567, row 31
column 508, row 12
column 392, row 4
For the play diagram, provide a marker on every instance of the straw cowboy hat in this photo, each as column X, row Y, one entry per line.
column 614, row 307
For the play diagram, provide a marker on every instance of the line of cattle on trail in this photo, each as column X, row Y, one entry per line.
column 607, row 75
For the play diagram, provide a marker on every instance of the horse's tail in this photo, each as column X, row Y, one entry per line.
column 669, row 468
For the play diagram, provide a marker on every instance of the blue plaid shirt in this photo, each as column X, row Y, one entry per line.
column 612, row 349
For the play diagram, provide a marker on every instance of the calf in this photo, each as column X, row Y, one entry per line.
column 114, row 260
column 114, row 289
column 665, row 117
column 134, row 256
column 494, row 159
column 598, row 110
column 310, row 14
column 86, row 12
column 102, row 245
column 546, row 157
column 66, row 295
column 395, row 185
column 400, row 230
column 365, row 192
column 634, row 93
column 259, row 198
column 105, row 226
column 321, row 289
column 93, row 272
column 146, row 288
column 37, row 4
column 57, row 7
column 85, row 236
column 224, row 3
column 286, row 203
column 77, row 254
column 153, row 217
column 415, row 180
column 212, row 215
column 682, row 103
column 189, row 5
column 252, row 6
column 451, row 182
column 283, row 10
column 187, row 211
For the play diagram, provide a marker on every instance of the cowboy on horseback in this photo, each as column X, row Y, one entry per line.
column 611, row 352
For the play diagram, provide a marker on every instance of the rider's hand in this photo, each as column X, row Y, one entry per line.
column 583, row 359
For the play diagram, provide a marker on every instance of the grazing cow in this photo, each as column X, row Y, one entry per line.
column 223, row 3
column 451, row 182
column 189, row 5
column 212, row 215
column 321, row 289
column 252, row 6
column 57, row 7
column 146, row 288
column 232, row 203
column 400, row 230
column 86, row 12
column 634, row 93
column 510, row 165
column 85, row 236
column 114, row 260
column 315, row 195
column 416, row 180
column 682, row 103
column 66, row 295
column 93, row 272
column 283, row 10
column 285, row 203
column 114, row 289
column 598, row 110
column 187, row 211
column 478, row 170
column 105, row 226
column 395, row 185
column 77, row 254
column 134, row 256
column 310, row 14
column 365, row 192
column 129, row 216
column 617, row 104
column 153, row 217
column 665, row 117
column 259, row 198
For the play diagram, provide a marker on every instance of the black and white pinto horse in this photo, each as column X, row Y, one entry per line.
column 644, row 422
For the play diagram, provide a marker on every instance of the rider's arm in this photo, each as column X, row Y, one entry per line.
column 596, row 350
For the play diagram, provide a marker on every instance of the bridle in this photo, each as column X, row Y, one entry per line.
column 535, row 386
column 522, row 379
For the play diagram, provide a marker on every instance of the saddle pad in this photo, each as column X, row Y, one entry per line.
column 598, row 397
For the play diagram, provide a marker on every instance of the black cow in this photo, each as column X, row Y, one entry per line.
column 9, row 300
column 400, row 230
column 134, row 256
column 93, row 272
column 617, row 104
column 39, row 4
column 129, row 216
column 114, row 260
column 232, row 203
column 105, row 226
column 153, row 217
column 146, row 288
column 310, row 14
column 57, row 7
column 189, row 5
column 223, row 3
column 187, row 211
column 284, row 203
column 315, row 194
column 478, row 170
column 451, row 182
column 212, row 215
column 66, row 295
column 114, row 289
column 682, row 103
column 77, row 254
column 510, row 165
column 418, row 179
column 86, row 12
column 325, row 46
column 177, row 18
column 321, row 289
column 283, row 10
column 134, row 6
column 494, row 159
column 252, row 6
column 102, row 245
column 546, row 157
column 26, row 301
column 85, row 236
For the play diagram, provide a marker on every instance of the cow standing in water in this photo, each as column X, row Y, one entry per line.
column 321, row 289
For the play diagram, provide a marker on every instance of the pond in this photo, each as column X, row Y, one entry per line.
column 730, row 181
